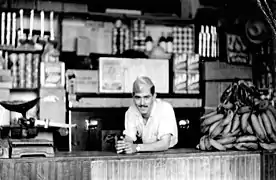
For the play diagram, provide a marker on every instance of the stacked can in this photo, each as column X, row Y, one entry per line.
column 120, row 38
column 127, row 39
column 21, row 70
column 14, row 69
column 35, row 70
column 29, row 70
column 138, row 31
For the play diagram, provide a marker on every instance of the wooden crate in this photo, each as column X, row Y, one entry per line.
column 221, row 71
column 213, row 92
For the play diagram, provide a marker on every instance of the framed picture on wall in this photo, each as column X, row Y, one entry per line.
column 116, row 75
column 111, row 75
column 236, row 50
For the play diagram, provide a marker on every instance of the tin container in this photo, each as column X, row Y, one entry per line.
column 14, row 69
column 35, row 70
column 21, row 69
column 114, row 40
column 28, row 70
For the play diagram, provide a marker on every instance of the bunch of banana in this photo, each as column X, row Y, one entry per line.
column 216, row 127
column 264, row 126
column 243, row 121
column 243, row 128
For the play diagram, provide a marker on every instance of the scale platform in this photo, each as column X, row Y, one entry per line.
column 31, row 148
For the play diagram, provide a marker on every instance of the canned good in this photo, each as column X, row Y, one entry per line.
column 21, row 69
column 28, row 69
column 35, row 67
column 114, row 40
column 14, row 69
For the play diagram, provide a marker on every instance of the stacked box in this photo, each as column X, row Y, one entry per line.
column 52, row 104
column 82, row 81
column 193, row 82
column 180, row 82
column 193, row 62
column 180, row 73
column 193, row 74
column 52, row 74
column 186, row 73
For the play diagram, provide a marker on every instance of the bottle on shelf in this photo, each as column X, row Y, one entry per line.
column 213, row 42
column 169, row 46
column 162, row 41
column 149, row 42
column 201, row 43
column 208, row 40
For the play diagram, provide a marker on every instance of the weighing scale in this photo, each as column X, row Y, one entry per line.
column 22, row 141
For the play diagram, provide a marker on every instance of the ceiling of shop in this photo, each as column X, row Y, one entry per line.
column 228, row 7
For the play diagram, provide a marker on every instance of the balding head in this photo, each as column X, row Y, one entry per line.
column 143, row 83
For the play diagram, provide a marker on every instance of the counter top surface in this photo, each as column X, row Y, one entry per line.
column 99, row 155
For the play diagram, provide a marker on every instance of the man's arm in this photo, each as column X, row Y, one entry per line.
column 160, row 145
column 129, row 133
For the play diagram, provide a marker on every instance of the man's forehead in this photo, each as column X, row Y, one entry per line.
column 142, row 94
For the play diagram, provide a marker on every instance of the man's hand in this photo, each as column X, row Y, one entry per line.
column 120, row 145
column 125, row 145
column 130, row 148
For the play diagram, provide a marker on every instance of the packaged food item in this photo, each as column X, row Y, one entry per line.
column 52, row 74
column 28, row 70
column 180, row 82
column 82, row 81
column 193, row 62
column 180, row 62
column 193, row 83
column 21, row 70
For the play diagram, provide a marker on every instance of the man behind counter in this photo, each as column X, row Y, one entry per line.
column 149, row 119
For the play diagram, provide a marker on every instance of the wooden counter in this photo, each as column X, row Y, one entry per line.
column 184, row 164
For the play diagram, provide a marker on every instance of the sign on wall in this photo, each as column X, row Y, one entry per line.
column 237, row 51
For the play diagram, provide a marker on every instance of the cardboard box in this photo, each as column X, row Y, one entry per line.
column 213, row 92
column 5, row 79
column 186, row 62
column 224, row 71
column 180, row 82
column 193, row 62
column 99, row 34
column 180, row 62
column 82, row 81
column 52, row 74
column 52, row 104
column 193, row 83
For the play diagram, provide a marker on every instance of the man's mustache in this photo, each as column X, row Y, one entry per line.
column 143, row 106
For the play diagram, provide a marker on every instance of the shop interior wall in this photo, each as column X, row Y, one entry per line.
column 213, row 88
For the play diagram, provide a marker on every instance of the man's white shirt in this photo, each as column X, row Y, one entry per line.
column 161, row 122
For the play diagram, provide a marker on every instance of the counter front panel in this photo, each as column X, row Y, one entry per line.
column 184, row 164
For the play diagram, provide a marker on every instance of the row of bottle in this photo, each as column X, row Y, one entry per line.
column 208, row 41
column 13, row 28
column 165, row 42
